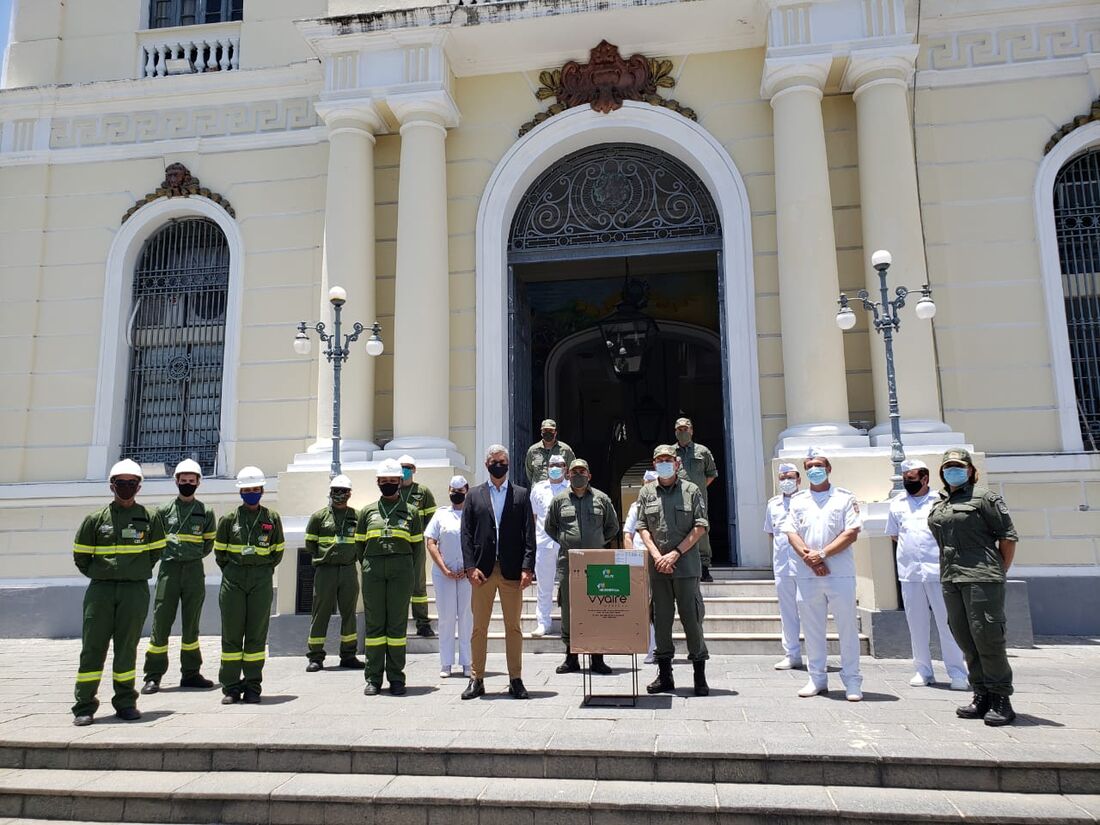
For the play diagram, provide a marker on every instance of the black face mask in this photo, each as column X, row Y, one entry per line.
column 187, row 490
column 458, row 498
column 548, row 435
column 389, row 488
column 125, row 490
column 912, row 487
column 498, row 470
column 339, row 496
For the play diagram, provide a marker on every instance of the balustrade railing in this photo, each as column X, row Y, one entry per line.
column 189, row 50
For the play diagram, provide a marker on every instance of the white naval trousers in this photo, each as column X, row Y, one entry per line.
column 817, row 598
column 786, row 588
column 452, row 602
column 922, row 601
column 546, row 568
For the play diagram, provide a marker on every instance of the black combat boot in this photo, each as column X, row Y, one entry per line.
column 570, row 665
column 1000, row 711
column 663, row 683
column 598, row 665
column 977, row 708
column 701, row 686
column 706, row 577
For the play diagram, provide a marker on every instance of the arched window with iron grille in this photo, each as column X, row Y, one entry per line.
column 176, row 335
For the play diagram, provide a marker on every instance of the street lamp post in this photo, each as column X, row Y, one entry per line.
column 336, row 354
column 884, row 313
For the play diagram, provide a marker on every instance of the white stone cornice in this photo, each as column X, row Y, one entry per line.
column 361, row 114
column 889, row 63
column 435, row 106
column 784, row 73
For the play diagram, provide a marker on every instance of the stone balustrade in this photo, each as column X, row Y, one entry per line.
column 189, row 50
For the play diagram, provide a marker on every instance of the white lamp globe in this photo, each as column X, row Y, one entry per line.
column 375, row 347
column 301, row 344
column 337, row 295
column 881, row 258
column 926, row 309
column 845, row 318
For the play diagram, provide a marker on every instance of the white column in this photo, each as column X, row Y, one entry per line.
column 813, row 350
column 890, row 208
column 422, row 307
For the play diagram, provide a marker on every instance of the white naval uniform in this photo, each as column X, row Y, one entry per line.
column 918, row 559
column 452, row 596
column 819, row 518
column 785, row 564
column 546, row 549
column 630, row 527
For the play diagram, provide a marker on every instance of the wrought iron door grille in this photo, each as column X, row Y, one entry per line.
column 176, row 334
column 1077, row 219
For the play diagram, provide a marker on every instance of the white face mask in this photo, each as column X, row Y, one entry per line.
column 787, row 486
column 665, row 469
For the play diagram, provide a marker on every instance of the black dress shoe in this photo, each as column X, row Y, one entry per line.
column 128, row 714
column 371, row 689
column 398, row 688
column 351, row 663
column 197, row 681
column 81, row 721
column 518, row 691
column 599, row 666
column 475, row 688
column 251, row 697
column 425, row 631
column 570, row 665
column 151, row 686
column 313, row 667
column 231, row 698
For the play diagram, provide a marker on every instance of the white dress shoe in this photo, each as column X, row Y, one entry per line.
column 853, row 694
column 445, row 674
column 810, row 689
column 787, row 663
column 539, row 631
column 960, row 684
column 919, row 680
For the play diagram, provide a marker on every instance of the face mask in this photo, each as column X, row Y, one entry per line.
column 389, row 488
column 556, row 473
column 339, row 496
column 498, row 470
column 787, row 486
column 578, row 482
column 407, row 473
column 665, row 469
column 187, row 490
column 125, row 490
column 956, row 476
column 252, row 498
column 458, row 498
column 683, row 439
column 817, row 475
column 548, row 435
column 912, row 487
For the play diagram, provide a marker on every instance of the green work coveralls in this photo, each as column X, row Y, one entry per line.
column 967, row 524
column 697, row 466
column 189, row 529
column 670, row 514
column 578, row 522
column 116, row 548
column 248, row 546
column 330, row 540
column 417, row 497
column 386, row 535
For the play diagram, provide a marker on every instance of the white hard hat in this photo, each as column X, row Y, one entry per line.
column 250, row 477
column 389, row 468
column 188, row 465
column 342, row 482
column 126, row 467
column 407, row 459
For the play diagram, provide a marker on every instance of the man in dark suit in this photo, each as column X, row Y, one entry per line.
column 498, row 550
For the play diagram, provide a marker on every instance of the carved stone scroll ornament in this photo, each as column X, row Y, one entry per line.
column 1076, row 123
column 179, row 183
column 604, row 82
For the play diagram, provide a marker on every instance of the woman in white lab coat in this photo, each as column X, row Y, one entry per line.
column 452, row 588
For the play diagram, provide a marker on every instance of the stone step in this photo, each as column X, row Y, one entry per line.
column 267, row 798
column 718, row 644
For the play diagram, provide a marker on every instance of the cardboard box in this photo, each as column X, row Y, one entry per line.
column 608, row 601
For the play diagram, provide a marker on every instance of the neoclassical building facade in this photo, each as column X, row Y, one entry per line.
column 610, row 213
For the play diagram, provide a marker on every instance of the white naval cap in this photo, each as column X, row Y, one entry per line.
column 816, row 452
column 913, row 464
column 458, row 482
column 786, row 467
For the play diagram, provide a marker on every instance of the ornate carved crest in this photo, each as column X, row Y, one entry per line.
column 1076, row 123
column 604, row 82
column 179, row 183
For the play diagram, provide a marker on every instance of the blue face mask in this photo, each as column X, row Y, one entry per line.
column 252, row 498
column 556, row 473
column 956, row 476
column 817, row 475
column 407, row 473
column 665, row 469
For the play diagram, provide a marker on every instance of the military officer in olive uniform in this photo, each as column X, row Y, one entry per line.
column 537, row 463
column 977, row 543
column 580, row 518
column 116, row 547
column 387, row 532
column 189, row 526
column 697, row 466
column 417, row 497
column 671, row 519
column 330, row 540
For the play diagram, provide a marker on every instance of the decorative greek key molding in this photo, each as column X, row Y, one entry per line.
column 1011, row 44
column 260, row 117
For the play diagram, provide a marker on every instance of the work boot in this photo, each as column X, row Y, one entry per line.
column 313, row 667
column 425, row 631
column 706, row 577
column 196, row 680
column 570, row 665
column 701, row 686
column 251, row 697
column 231, row 698
column 398, row 688
column 598, row 665
column 978, row 707
column 84, row 719
column 351, row 663
column 663, row 683
column 371, row 689
column 150, row 686
column 133, row 714
column 1000, row 711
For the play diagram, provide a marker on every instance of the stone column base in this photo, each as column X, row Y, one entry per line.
column 918, row 432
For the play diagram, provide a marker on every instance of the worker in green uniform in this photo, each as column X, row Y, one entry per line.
column 388, row 530
column 116, row 547
column 697, row 466
column 189, row 529
column 580, row 518
column 330, row 540
column 248, row 546
column 671, row 520
column 415, row 496
column 537, row 463
column 977, row 543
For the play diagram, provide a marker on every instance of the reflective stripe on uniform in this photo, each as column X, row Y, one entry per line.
column 187, row 538
column 239, row 548
column 393, row 533
column 374, row 641
column 156, row 648
column 316, row 640
column 395, row 642
column 351, row 637
column 428, row 511
column 108, row 549
column 128, row 676
column 231, row 657
column 254, row 657
column 209, row 536
column 89, row 676
column 189, row 645
column 419, row 599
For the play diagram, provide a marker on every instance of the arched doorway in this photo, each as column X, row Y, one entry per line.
column 620, row 237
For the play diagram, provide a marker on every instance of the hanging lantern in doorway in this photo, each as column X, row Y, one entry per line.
column 628, row 333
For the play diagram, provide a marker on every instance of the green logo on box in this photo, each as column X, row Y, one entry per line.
column 608, row 579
